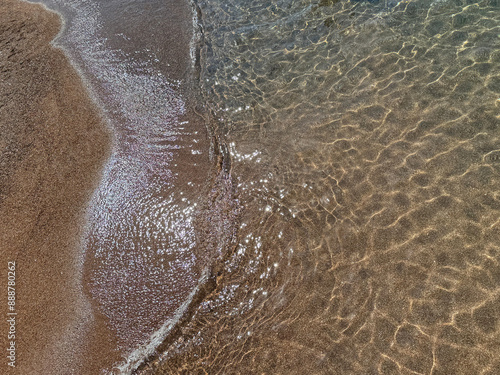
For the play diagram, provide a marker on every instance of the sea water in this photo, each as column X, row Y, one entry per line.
column 364, row 142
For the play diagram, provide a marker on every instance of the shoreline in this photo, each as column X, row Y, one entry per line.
column 55, row 144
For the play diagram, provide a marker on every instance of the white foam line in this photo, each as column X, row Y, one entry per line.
column 140, row 354
column 196, row 33
column 56, row 42
column 98, row 106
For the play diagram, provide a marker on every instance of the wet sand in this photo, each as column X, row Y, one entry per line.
column 119, row 250
column 53, row 143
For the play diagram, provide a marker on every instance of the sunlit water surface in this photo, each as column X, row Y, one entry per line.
column 364, row 139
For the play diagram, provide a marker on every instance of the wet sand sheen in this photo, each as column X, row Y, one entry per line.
column 145, row 251
column 53, row 143
column 149, row 232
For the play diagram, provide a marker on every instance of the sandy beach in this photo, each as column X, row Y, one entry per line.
column 53, row 143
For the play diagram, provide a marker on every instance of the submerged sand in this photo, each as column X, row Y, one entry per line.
column 53, row 143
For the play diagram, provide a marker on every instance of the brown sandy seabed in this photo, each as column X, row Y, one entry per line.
column 53, row 144
column 391, row 208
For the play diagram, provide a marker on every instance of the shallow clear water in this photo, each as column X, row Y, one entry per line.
column 364, row 140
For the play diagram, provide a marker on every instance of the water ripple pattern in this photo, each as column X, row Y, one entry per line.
column 365, row 142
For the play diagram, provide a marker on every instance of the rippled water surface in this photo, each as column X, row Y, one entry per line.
column 364, row 141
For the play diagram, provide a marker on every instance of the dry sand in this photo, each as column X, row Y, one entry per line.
column 53, row 145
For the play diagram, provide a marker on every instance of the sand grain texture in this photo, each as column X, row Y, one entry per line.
column 53, row 144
